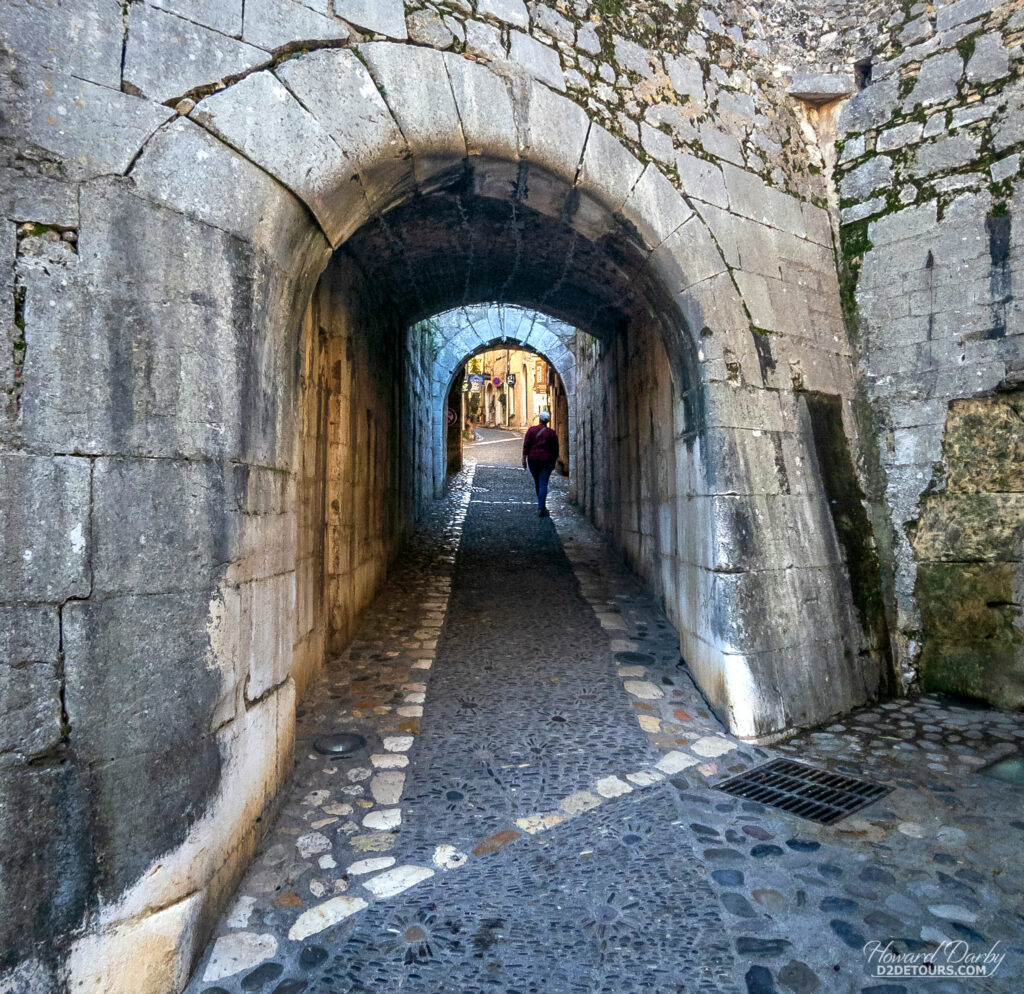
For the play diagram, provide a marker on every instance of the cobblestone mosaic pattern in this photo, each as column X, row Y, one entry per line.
column 482, row 844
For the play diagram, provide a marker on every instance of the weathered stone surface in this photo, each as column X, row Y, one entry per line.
column 36, row 198
column 484, row 107
column 945, row 153
column 655, row 207
column 46, row 527
column 871, row 107
column 539, row 60
column 153, row 64
column 254, row 116
column 702, row 179
column 963, row 10
column 224, row 16
column 553, row 131
column 608, row 171
column 485, row 40
column 151, row 953
column 510, row 11
column 990, row 61
column 821, row 87
column 386, row 17
column 159, row 525
column 419, row 94
column 903, row 134
column 182, row 158
column 337, row 88
column 84, row 41
column 428, row 28
column 76, row 401
column 938, row 79
column 133, row 658
column 268, row 632
column 29, row 688
column 864, row 180
column 93, row 129
column 271, row 24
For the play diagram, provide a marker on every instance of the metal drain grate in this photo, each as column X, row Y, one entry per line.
column 804, row 791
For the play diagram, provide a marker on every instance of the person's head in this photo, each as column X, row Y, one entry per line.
column 544, row 417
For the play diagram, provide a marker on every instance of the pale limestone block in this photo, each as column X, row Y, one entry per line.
column 643, row 689
column 553, row 131
column 323, row 916
column 532, row 824
column 485, row 108
column 260, row 118
column 383, row 821
column 271, row 24
column 389, row 761
column 94, row 129
column 182, row 162
column 540, row 61
column 632, row 671
column 237, row 952
column 579, row 802
column 419, row 93
column 484, row 39
column 675, row 762
column 386, row 787
column 268, row 614
column 609, row 170
column 152, row 952
column 371, row 865
column 154, row 65
column 447, row 857
column 655, row 207
column 612, row 787
column 645, row 778
column 396, row 881
column 386, row 17
column 702, row 179
column 687, row 256
column 337, row 89
column 82, row 37
column 509, row 11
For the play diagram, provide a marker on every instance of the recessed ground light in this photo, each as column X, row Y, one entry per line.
column 340, row 744
column 634, row 658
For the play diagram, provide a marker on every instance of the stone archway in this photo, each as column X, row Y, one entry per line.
column 470, row 331
column 186, row 389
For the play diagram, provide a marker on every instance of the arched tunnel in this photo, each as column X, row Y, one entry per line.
column 263, row 443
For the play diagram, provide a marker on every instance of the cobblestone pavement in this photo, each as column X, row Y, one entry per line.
column 536, row 809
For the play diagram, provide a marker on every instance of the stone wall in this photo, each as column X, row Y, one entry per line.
column 170, row 496
column 931, row 207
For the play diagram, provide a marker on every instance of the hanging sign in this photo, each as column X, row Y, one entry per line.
column 476, row 382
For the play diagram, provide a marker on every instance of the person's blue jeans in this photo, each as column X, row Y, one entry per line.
column 541, row 475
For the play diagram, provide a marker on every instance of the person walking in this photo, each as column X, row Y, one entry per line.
column 540, row 453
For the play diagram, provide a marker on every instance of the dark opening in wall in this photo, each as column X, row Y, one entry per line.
column 862, row 73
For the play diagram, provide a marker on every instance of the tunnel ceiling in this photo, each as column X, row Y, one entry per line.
column 448, row 249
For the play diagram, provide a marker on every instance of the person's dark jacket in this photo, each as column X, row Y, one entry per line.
column 540, row 445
